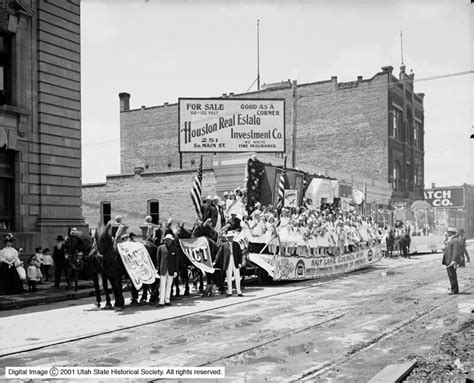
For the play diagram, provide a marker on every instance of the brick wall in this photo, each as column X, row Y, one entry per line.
column 128, row 195
column 342, row 130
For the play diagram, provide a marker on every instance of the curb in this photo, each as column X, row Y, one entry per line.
column 45, row 299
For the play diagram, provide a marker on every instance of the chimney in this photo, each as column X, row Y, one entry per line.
column 334, row 79
column 166, row 103
column 143, row 107
column 359, row 78
column 231, row 94
column 224, row 94
column 433, row 185
column 388, row 69
column 124, row 102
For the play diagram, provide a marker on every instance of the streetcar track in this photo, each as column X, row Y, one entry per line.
column 306, row 287
column 310, row 374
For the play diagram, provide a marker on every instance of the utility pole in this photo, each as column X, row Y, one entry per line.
column 258, row 54
column 293, row 123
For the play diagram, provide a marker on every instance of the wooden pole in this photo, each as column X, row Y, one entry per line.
column 293, row 123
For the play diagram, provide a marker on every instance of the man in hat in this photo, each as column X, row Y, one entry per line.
column 167, row 266
column 60, row 263
column 234, row 222
column 462, row 242
column 451, row 259
column 229, row 258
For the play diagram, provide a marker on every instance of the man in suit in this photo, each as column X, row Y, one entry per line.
column 462, row 248
column 451, row 259
column 60, row 263
column 229, row 258
column 167, row 263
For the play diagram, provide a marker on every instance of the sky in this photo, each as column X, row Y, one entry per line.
column 159, row 51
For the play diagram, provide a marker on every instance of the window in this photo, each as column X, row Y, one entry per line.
column 397, row 116
column 154, row 210
column 418, row 131
column 418, row 179
column 105, row 212
column 7, row 190
column 397, row 170
column 5, row 69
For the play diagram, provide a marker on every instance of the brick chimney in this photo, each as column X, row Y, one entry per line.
column 124, row 101
column 388, row 69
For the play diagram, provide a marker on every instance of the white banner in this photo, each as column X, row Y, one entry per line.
column 138, row 263
column 231, row 125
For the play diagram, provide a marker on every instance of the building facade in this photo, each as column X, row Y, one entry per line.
column 368, row 134
column 370, row 128
column 40, row 120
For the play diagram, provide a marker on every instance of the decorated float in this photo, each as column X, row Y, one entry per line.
column 267, row 258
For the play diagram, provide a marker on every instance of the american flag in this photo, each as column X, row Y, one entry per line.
column 281, row 189
column 196, row 191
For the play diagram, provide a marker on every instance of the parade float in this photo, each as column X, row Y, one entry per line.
column 267, row 258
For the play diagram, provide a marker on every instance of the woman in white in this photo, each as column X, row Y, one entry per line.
column 10, row 282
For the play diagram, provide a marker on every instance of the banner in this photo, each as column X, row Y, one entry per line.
column 291, row 198
column 445, row 197
column 294, row 268
column 231, row 125
column 265, row 261
column 198, row 252
column 138, row 263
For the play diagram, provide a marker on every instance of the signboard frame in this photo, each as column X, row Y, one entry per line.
column 283, row 100
column 291, row 193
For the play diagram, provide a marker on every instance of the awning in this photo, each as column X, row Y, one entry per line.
column 335, row 188
column 320, row 191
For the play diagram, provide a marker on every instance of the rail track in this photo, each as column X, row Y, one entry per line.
column 307, row 375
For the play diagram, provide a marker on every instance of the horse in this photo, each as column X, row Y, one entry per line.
column 185, row 265
column 113, row 265
column 81, row 253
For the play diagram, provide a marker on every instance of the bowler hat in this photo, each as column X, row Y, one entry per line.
column 59, row 238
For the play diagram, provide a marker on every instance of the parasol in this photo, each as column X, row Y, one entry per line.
column 420, row 205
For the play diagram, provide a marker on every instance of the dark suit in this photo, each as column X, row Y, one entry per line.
column 167, row 259
column 223, row 260
column 60, row 265
column 451, row 254
column 223, row 255
column 212, row 213
column 463, row 251
column 167, row 262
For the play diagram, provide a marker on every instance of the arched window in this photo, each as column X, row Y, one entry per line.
column 105, row 212
column 153, row 210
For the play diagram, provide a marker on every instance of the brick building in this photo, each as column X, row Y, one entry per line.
column 369, row 128
column 40, row 131
column 365, row 132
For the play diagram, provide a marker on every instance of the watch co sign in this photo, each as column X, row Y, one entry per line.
column 445, row 197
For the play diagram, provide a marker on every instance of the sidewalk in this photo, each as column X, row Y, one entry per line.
column 45, row 294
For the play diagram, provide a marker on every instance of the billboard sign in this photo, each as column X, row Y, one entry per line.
column 231, row 125
column 445, row 197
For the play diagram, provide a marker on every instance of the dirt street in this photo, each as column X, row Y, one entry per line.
column 345, row 329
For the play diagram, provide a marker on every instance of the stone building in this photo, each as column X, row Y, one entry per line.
column 40, row 126
column 365, row 133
